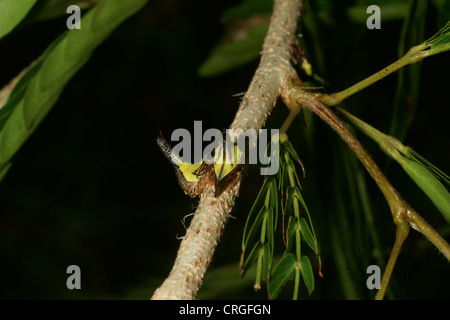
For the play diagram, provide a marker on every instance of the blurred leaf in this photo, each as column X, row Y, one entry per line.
column 429, row 184
column 41, row 86
column 282, row 272
column 12, row 13
column 50, row 9
column 230, row 55
column 443, row 9
column 408, row 79
column 349, row 283
column 307, row 273
column 392, row 10
column 224, row 283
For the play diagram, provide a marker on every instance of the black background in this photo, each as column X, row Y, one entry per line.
column 91, row 188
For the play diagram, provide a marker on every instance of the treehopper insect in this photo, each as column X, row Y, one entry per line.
column 227, row 168
column 188, row 175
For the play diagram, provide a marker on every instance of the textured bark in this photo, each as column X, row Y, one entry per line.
column 197, row 247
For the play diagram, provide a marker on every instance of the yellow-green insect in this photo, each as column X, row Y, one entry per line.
column 188, row 175
column 227, row 168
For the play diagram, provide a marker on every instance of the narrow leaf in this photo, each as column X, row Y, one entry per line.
column 429, row 184
column 307, row 273
column 255, row 210
column 266, row 261
column 274, row 202
column 307, row 235
column 247, row 261
column 436, row 171
column 440, row 41
column 289, row 148
column 282, row 273
column 253, row 230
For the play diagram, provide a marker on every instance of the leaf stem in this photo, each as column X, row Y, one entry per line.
column 402, row 232
column 414, row 55
column 400, row 210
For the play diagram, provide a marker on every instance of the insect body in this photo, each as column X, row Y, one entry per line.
column 188, row 175
column 227, row 168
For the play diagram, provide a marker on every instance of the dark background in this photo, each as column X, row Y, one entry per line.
column 91, row 188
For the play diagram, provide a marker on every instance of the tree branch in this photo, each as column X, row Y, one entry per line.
column 203, row 234
column 400, row 209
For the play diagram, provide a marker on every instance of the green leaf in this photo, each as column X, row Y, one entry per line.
column 254, row 210
column 12, row 13
column 270, row 230
column 390, row 11
column 288, row 147
column 274, row 202
column 283, row 272
column 246, row 261
column 429, row 184
column 266, row 261
column 299, row 196
column 408, row 79
column 307, row 273
column 41, row 86
column 253, row 230
column 440, row 42
column 230, row 55
column 263, row 228
column 411, row 154
column 307, row 235
column 50, row 9
column 292, row 227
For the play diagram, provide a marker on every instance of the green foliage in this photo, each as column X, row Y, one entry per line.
column 230, row 55
column 262, row 220
column 391, row 10
column 427, row 176
column 40, row 87
column 408, row 79
column 13, row 12
column 440, row 42
column 50, row 9
column 242, row 43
